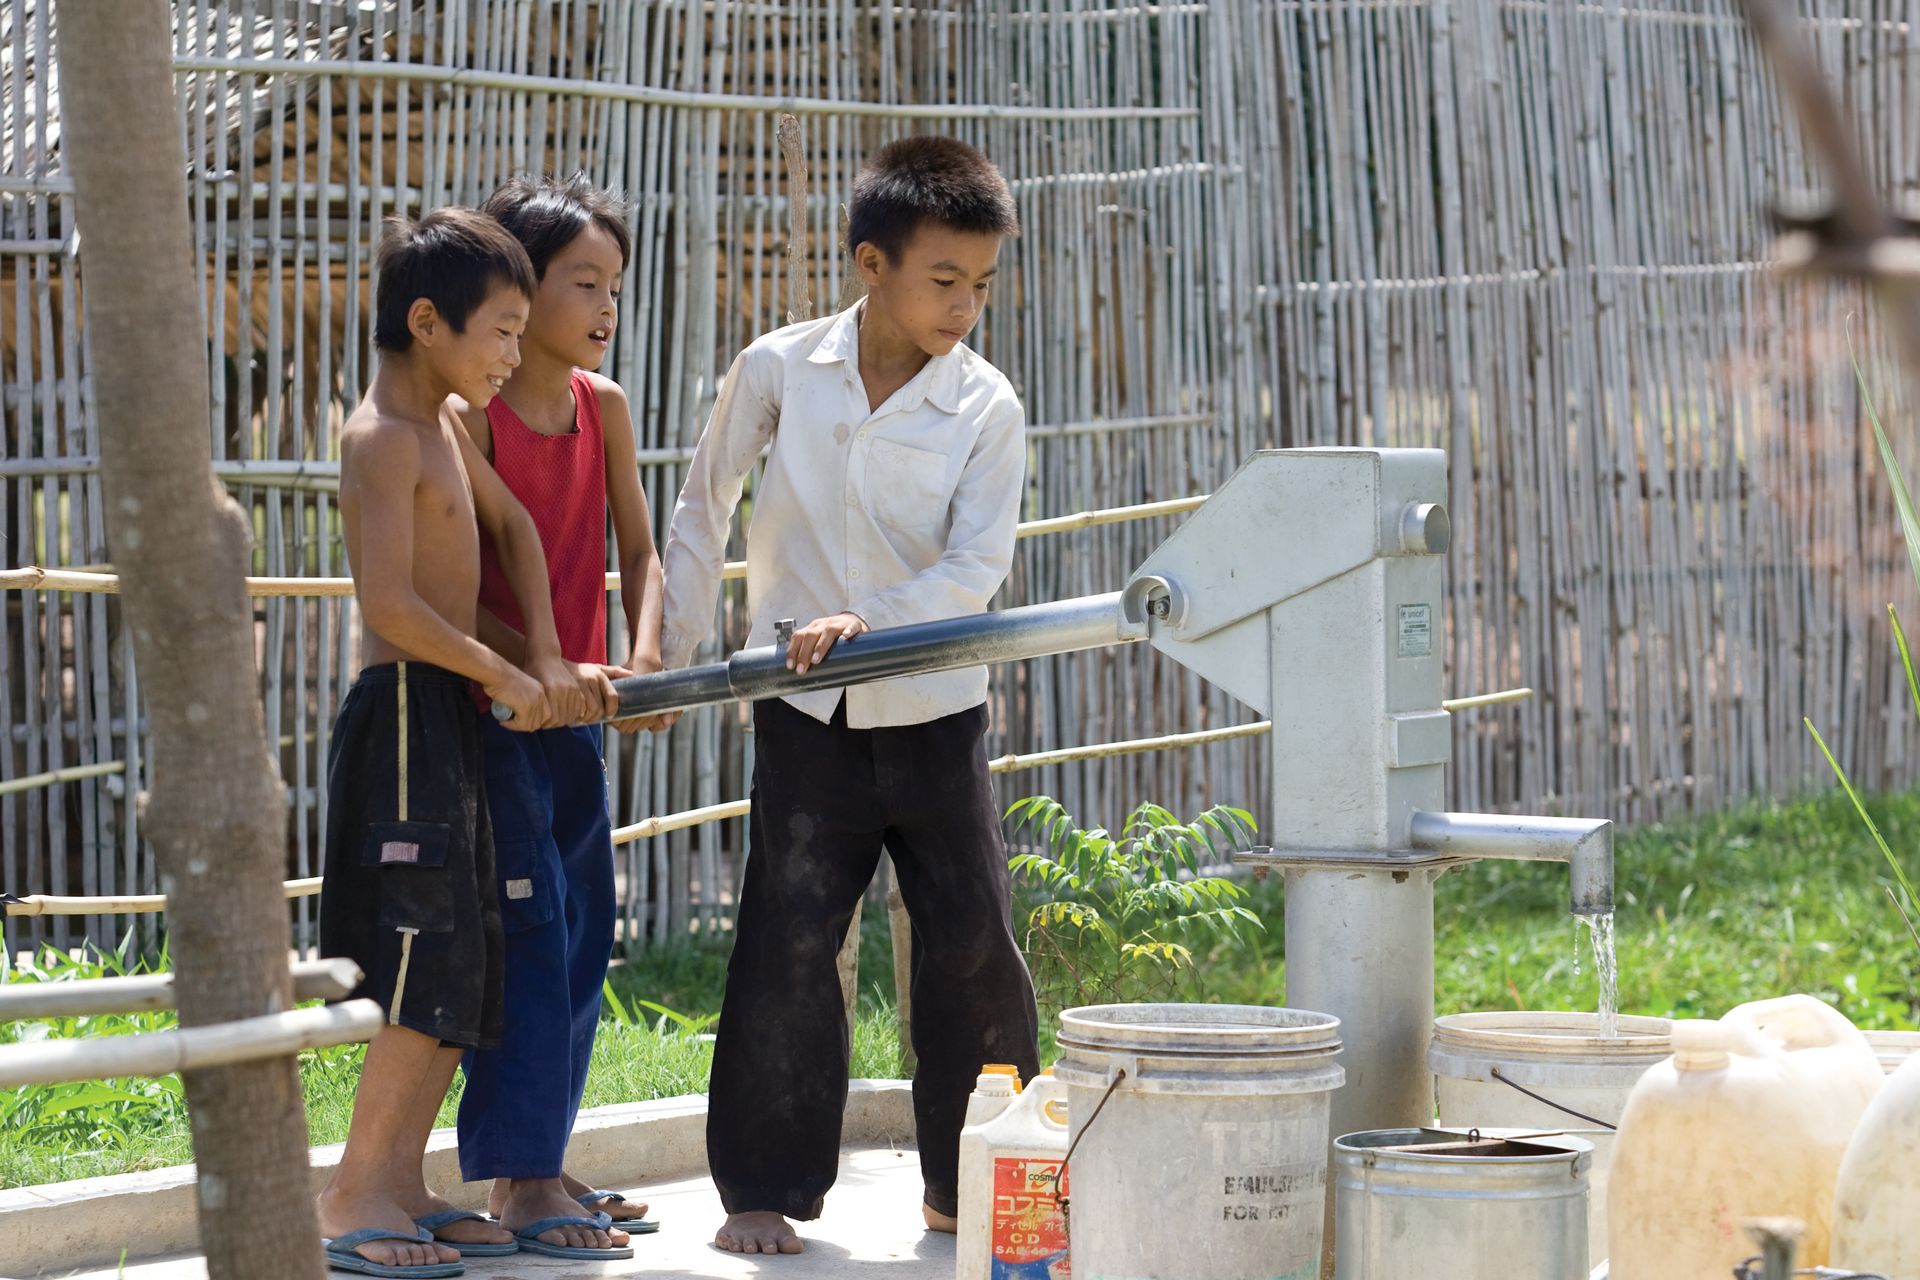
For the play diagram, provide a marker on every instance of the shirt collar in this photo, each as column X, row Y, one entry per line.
column 938, row 383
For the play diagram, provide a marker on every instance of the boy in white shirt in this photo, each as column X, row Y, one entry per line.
column 891, row 496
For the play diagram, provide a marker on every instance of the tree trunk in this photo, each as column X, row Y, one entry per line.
column 217, row 815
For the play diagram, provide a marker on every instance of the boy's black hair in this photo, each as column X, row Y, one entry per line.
column 453, row 257
column 547, row 215
column 927, row 179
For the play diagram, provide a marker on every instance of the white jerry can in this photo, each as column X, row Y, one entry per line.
column 1011, row 1223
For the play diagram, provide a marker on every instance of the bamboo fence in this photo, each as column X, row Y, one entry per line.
column 1529, row 231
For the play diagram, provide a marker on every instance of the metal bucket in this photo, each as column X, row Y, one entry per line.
column 1511, row 1205
column 1202, row 1133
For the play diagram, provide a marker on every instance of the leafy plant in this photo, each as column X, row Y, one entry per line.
column 681, row 1023
column 1112, row 917
column 1905, row 901
column 84, row 1115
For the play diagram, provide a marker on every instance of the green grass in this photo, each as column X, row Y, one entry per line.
column 1758, row 902
column 56, row 1132
column 1709, row 914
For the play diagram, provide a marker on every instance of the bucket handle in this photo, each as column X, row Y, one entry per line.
column 1066, row 1220
column 1578, row 1115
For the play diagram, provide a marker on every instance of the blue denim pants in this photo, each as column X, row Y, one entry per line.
column 554, row 857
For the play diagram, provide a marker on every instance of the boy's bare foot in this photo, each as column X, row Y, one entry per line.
column 531, row 1199
column 465, row 1231
column 343, row 1211
column 765, row 1232
column 938, row 1221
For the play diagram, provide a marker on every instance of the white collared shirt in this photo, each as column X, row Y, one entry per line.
column 903, row 514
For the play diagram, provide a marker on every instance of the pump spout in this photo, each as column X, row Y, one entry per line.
column 1584, row 844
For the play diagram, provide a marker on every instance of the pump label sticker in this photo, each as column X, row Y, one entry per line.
column 1029, row 1234
column 1416, row 630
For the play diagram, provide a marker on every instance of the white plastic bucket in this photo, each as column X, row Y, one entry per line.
column 1559, row 1056
column 1203, row 1140
column 1460, row 1211
column 1893, row 1047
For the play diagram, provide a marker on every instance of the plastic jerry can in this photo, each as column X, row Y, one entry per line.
column 1011, row 1223
column 1748, row 1119
column 1877, row 1203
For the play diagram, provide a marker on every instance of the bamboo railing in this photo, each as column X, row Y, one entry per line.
column 648, row 828
column 1528, row 231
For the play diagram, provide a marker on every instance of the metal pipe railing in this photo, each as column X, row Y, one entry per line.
column 1584, row 844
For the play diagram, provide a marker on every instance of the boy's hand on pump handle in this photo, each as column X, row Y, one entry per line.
column 642, row 666
column 812, row 643
column 565, row 689
column 521, row 694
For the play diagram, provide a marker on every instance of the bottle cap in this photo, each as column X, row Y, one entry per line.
column 1001, row 1079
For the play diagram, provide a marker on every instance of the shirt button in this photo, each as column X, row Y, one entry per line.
column 853, row 573
column 852, row 501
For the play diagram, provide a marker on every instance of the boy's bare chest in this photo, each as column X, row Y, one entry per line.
column 443, row 502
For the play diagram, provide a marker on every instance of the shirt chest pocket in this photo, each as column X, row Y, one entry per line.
column 906, row 487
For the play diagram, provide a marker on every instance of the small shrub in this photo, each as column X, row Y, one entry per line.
column 1110, row 918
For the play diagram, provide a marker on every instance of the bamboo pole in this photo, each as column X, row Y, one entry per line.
column 36, row 578
column 163, row 1053
column 40, row 904
column 463, row 78
column 312, row 980
column 55, row 777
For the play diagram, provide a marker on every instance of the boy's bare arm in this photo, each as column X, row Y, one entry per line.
column 641, row 580
column 494, row 633
column 577, row 693
column 379, row 478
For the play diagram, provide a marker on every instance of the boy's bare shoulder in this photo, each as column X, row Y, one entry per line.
column 465, row 412
column 605, row 389
column 370, row 439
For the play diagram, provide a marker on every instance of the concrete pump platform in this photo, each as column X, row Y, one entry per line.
column 872, row 1228
column 654, row 1152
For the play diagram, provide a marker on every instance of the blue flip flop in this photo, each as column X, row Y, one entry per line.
column 476, row 1249
column 528, row 1236
column 341, row 1256
column 635, row 1225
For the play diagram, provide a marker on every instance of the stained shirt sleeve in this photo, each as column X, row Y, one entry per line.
column 744, row 417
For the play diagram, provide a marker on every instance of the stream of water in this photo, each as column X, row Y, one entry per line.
column 1606, row 966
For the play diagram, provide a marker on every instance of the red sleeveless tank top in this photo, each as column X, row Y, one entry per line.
column 562, row 482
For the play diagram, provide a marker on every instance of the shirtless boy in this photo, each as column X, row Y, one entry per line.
column 409, row 890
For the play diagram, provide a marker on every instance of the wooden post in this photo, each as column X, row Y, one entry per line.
column 217, row 812
column 799, row 293
column 900, row 928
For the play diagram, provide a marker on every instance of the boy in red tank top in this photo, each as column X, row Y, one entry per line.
column 560, row 437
